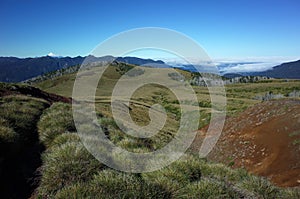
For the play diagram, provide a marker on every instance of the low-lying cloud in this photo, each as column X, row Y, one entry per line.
column 240, row 65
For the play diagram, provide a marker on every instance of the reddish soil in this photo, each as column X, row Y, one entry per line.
column 264, row 139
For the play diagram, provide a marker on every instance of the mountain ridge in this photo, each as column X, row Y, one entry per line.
column 287, row 70
column 14, row 69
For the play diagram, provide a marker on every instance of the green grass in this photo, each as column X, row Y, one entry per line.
column 21, row 114
column 65, row 138
column 7, row 134
column 69, row 171
column 294, row 134
column 296, row 142
column 9, row 139
column 189, row 177
column 56, row 120
column 261, row 187
column 113, row 184
column 207, row 188
column 64, row 165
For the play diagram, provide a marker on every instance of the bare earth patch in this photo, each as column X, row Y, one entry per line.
column 264, row 139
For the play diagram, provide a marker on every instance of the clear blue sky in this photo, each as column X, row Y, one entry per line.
column 239, row 28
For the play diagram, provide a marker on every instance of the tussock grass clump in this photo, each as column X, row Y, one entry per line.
column 189, row 177
column 9, row 139
column 78, row 190
column 119, row 185
column 56, row 120
column 207, row 188
column 22, row 114
column 66, row 164
column 7, row 134
column 177, row 175
column 133, row 145
column 114, row 184
column 65, row 138
column 291, row 192
column 123, row 140
column 261, row 187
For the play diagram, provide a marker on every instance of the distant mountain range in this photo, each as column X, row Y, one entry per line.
column 290, row 70
column 13, row 69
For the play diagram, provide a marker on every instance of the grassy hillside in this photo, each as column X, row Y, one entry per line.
column 20, row 147
column 38, row 132
column 239, row 96
column 69, row 171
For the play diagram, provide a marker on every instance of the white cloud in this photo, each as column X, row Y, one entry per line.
column 240, row 65
column 248, row 67
column 251, row 64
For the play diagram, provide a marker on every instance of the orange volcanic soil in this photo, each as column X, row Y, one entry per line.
column 264, row 139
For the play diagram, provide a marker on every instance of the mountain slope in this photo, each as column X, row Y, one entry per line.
column 290, row 70
column 13, row 69
column 265, row 139
column 20, row 149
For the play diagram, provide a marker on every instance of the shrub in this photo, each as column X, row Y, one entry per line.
column 65, row 165
column 55, row 120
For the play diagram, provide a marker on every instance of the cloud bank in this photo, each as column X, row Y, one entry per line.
column 238, row 65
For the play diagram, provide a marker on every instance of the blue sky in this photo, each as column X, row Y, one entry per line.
column 225, row 29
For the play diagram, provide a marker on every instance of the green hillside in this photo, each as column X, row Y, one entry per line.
column 41, row 143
